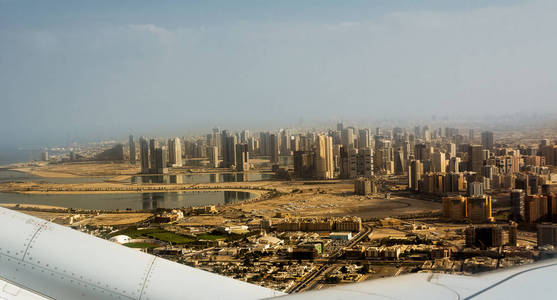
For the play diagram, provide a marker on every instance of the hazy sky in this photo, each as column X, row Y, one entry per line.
column 96, row 69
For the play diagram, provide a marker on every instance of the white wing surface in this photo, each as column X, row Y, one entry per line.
column 57, row 262
column 534, row 281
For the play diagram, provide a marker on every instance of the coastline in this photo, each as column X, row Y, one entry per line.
column 45, row 174
column 80, row 192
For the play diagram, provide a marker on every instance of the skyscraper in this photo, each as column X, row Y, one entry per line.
column 365, row 162
column 451, row 150
column 399, row 161
column 144, row 155
column 242, row 157
column 475, row 158
column 454, row 164
column 487, row 140
column 132, row 150
column 422, row 152
column 439, row 162
column 285, row 143
column 174, row 152
column 475, row 189
column 274, row 145
column 153, row 145
column 479, row 209
column 517, row 205
column 213, row 153
column 347, row 138
column 363, row 139
column 304, row 164
column 244, row 136
column 415, row 172
column 324, row 166
column 340, row 126
column 161, row 161
column 229, row 148
column 348, row 162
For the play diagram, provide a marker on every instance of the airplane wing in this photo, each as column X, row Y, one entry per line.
column 42, row 260
column 531, row 281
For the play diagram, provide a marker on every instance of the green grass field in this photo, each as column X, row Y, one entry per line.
column 171, row 237
column 211, row 237
column 141, row 245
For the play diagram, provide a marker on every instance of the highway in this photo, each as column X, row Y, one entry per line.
column 311, row 278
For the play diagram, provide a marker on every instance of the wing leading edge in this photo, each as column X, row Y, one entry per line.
column 61, row 263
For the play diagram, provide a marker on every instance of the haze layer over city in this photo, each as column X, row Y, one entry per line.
column 90, row 71
column 283, row 147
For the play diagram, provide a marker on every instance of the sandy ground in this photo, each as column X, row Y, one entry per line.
column 297, row 198
column 82, row 169
column 47, row 212
column 115, row 219
column 120, row 171
column 337, row 205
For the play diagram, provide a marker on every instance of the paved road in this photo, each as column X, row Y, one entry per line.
column 311, row 278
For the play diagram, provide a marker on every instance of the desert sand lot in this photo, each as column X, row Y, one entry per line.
column 82, row 169
column 295, row 198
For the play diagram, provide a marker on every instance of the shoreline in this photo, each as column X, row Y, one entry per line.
column 45, row 174
column 191, row 170
column 81, row 192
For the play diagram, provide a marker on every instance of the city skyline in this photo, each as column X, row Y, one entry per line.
column 96, row 71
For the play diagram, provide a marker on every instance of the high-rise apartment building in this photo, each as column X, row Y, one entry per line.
column 324, row 166
column 348, row 162
column 479, row 209
column 439, row 162
column 144, row 156
column 244, row 136
column 161, row 161
column 454, row 208
column 415, row 171
column 285, row 143
column 487, row 140
column 399, row 161
column 242, row 157
column 347, row 138
column 174, row 152
column 547, row 234
column 517, row 205
column 304, row 164
column 365, row 162
column 229, row 148
column 475, row 189
column 153, row 145
column 132, row 150
column 454, row 165
column 451, row 150
column 475, row 158
column 340, row 126
column 364, row 139
column 213, row 153
column 275, row 147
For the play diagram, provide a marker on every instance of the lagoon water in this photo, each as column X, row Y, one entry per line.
column 135, row 201
column 17, row 176
column 200, row 178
